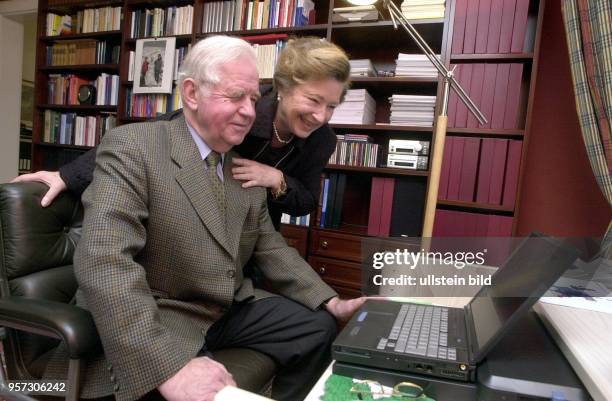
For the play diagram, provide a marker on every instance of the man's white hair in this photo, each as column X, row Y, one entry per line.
column 208, row 55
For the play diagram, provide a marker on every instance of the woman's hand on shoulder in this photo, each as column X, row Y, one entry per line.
column 50, row 178
column 254, row 174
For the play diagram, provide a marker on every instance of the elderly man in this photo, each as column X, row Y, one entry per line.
column 166, row 235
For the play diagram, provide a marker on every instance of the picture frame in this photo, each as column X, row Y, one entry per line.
column 154, row 65
column 27, row 103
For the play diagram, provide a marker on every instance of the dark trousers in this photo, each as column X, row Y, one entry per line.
column 298, row 339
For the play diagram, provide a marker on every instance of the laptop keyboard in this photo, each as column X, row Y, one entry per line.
column 420, row 330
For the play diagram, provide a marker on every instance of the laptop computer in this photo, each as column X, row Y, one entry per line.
column 450, row 342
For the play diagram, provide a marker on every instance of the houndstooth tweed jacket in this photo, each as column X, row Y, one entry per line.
column 158, row 264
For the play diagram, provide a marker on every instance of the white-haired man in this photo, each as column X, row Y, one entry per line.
column 166, row 234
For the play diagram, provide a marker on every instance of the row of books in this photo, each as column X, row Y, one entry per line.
column 82, row 51
column 162, row 22
column 72, row 129
column 423, row 9
column 491, row 26
column 329, row 214
column 415, row 66
column 151, row 105
column 63, row 89
column 235, row 15
column 295, row 220
column 359, row 107
column 179, row 55
column 495, row 88
column 267, row 55
column 396, row 207
column 481, row 170
column 452, row 223
column 84, row 21
column 355, row 150
column 412, row 110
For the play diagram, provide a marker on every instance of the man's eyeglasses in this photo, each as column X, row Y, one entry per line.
column 404, row 391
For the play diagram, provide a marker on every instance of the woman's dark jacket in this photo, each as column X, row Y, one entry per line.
column 302, row 162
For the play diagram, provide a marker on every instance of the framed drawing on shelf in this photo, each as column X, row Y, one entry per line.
column 27, row 103
column 154, row 65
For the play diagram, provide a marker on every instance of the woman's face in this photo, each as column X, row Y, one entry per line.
column 306, row 107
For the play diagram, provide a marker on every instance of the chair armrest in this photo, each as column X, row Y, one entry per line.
column 70, row 323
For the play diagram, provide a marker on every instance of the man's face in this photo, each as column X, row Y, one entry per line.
column 226, row 112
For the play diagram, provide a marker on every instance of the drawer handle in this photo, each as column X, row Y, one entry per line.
column 322, row 270
column 324, row 244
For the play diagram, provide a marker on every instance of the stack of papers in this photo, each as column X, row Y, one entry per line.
column 362, row 68
column 414, row 65
column 358, row 108
column 423, row 9
column 413, row 110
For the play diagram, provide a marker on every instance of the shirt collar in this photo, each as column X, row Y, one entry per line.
column 203, row 148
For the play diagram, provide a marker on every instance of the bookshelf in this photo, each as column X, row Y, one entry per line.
column 336, row 252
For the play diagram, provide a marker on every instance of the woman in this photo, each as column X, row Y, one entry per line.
column 289, row 143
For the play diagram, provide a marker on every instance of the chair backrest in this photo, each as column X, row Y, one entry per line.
column 36, row 249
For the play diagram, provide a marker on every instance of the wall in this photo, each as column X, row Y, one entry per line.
column 559, row 195
column 29, row 49
column 11, row 36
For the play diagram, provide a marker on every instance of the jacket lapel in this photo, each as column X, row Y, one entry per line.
column 195, row 182
column 237, row 205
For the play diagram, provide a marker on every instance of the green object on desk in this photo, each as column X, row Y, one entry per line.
column 338, row 388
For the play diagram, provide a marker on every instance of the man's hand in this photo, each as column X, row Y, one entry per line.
column 343, row 309
column 51, row 178
column 200, row 380
column 256, row 174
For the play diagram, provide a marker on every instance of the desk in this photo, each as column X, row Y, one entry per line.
column 585, row 338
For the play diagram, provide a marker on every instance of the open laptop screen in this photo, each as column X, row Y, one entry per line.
column 528, row 273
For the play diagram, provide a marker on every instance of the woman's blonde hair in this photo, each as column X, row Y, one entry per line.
column 311, row 58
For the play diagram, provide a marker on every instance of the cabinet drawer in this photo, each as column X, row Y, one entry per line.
column 337, row 272
column 336, row 245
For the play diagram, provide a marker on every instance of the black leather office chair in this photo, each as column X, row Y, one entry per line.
column 38, row 284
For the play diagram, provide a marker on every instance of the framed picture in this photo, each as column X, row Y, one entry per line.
column 27, row 103
column 154, row 65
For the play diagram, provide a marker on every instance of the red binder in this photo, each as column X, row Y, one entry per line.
column 459, row 26
column 497, row 171
column 387, row 207
column 476, row 92
column 505, row 36
column 488, row 93
column 512, row 173
column 499, row 100
column 482, row 28
column 519, row 26
column 495, row 22
column 471, row 24
column 375, row 206
column 484, row 170
column 513, row 97
column 469, row 167
column 455, row 170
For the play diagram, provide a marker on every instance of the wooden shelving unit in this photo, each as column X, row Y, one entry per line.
column 375, row 40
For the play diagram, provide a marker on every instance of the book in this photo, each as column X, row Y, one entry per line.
column 469, row 168
column 471, row 24
column 482, row 26
column 513, row 96
column 375, row 212
column 386, row 207
column 408, row 207
column 459, row 26
column 500, row 152
column 512, row 173
column 519, row 26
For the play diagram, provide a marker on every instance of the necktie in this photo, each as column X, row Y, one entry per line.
column 212, row 160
